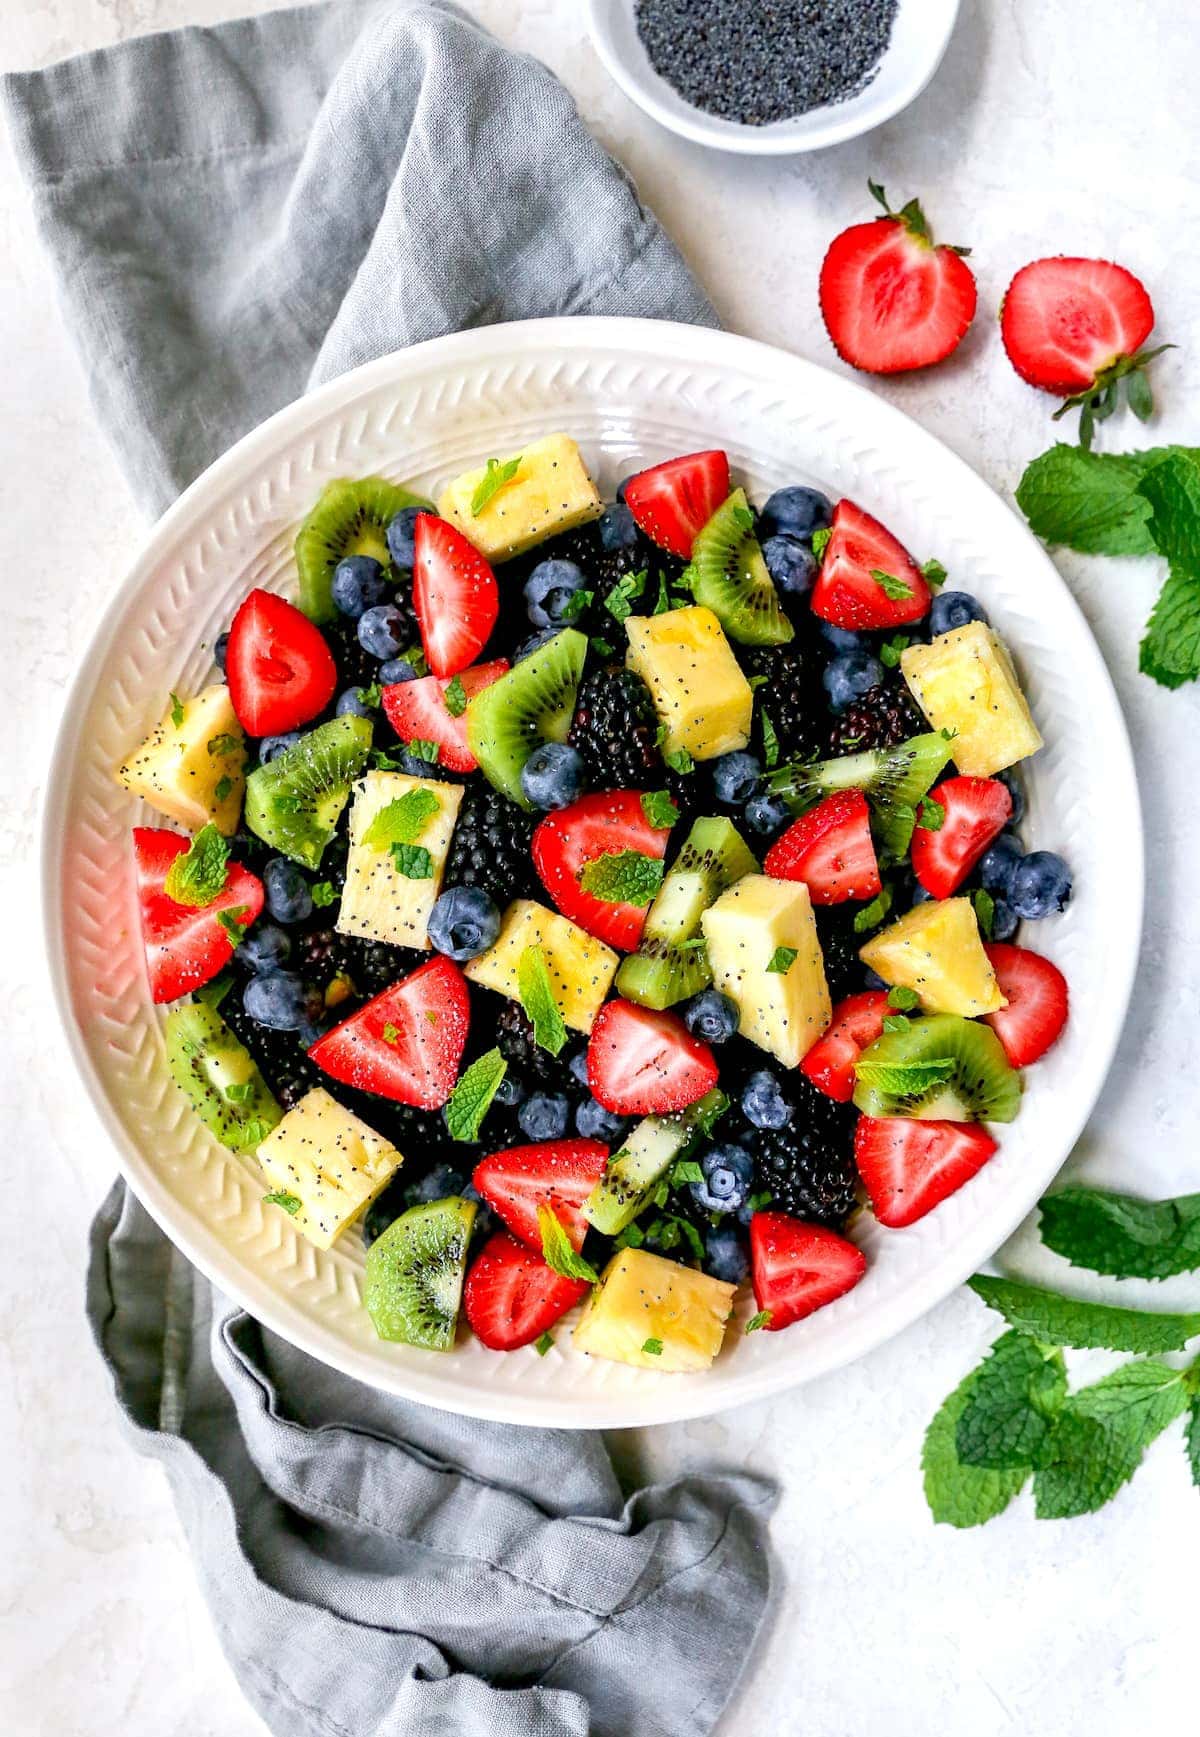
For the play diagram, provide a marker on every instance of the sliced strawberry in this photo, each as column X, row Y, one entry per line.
column 1038, row 1001
column 856, row 1022
column 418, row 711
column 797, row 1268
column 405, row 1044
column 908, row 1167
column 674, row 501
column 186, row 945
column 559, row 1174
column 454, row 595
column 280, row 671
column 867, row 579
column 830, row 850
column 511, row 1296
column 602, row 824
column 975, row 811
column 890, row 299
column 1068, row 323
column 642, row 1063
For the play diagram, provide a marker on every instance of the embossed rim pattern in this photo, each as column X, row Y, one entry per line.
column 631, row 391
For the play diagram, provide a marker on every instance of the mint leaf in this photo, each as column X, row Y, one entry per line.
column 1101, row 1435
column 177, row 711
column 619, row 601
column 633, row 1236
column 902, row 1079
column 223, row 744
column 782, row 960
column 660, row 811
column 770, row 741
column 985, row 911
column 708, row 1112
column 1126, row 1238
column 1091, row 501
column 323, row 893
column 933, row 573
column 413, row 861
column 873, row 914
column 892, row 649
column 468, row 1103
column 537, row 998
column 601, row 647
column 893, row 588
column 931, row 816
column 222, row 788
column 820, row 541
column 575, row 605
column 455, row 697
column 495, row 476
column 680, row 761
column 403, row 820
column 622, row 877
column 1017, row 1392
column 235, row 922
column 685, row 1170
column 756, row 1322
column 543, row 1343
column 289, row 1202
column 961, row 1495
column 421, row 748
column 1170, row 651
column 198, row 874
column 903, row 997
column 557, row 1251
column 213, row 994
column 652, row 1348
column 1192, row 1440
column 1057, row 1320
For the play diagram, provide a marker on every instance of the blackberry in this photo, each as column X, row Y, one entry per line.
column 844, row 970
column 883, row 716
column 371, row 966
column 513, row 1032
column 279, row 1054
column 490, row 847
column 791, row 696
column 808, row 1168
column 615, row 729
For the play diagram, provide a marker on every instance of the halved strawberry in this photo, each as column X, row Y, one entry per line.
column 890, row 299
column 674, row 501
column 280, row 671
column 511, row 1296
column 1038, row 1002
column 405, row 1044
column 186, row 945
column 908, row 1167
column 867, row 579
column 830, row 850
column 559, row 1174
column 454, row 595
column 856, row 1022
column 418, row 711
column 642, row 1063
column 603, row 824
column 974, row 812
column 797, row 1268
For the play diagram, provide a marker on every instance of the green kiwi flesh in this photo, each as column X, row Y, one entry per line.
column 729, row 576
column 219, row 1078
column 894, row 780
column 351, row 517
column 631, row 1173
column 294, row 803
column 533, row 703
column 415, row 1273
column 671, row 962
column 940, row 1068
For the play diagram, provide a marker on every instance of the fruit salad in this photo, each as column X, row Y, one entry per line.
column 599, row 906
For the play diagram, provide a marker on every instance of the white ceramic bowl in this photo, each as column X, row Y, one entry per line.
column 919, row 38
column 631, row 392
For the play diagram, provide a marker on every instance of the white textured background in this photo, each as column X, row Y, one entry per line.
column 1053, row 126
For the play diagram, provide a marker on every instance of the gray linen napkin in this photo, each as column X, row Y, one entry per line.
column 235, row 214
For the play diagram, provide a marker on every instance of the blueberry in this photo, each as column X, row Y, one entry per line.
column 791, row 564
column 873, row 980
column 219, row 650
column 727, row 1174
column 279, row 1001
column 264, row 948
column 272, row 746
column 953, row 609
column 1005, row 921
column 358, row 582
column 765, row 814
column 1040, row 885
column 437, row 1184
column 998, row 862
column 849, row 677
column 577, row 1067
column 287, row 894
column 552, row 776
column 544, row 1116
column 549, row 589
column 400, row 535
column 534, row 641
column 711, row 1016
column 763, row 1102
column 594, row 1122
column 725, row 1255
column 921, row 895
column 416, row 767
column 1012, row 783
column 617, row 529
column 383, row 632
column 350, row 704
column 797, row 511
column 842, row 638
column 395, row 671
column 510, row 1092
column 735, row 777
column 464, row 923
column 314, row 1028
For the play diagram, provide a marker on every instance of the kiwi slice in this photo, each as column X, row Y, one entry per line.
column 630, row 1175
column 219, row 1078
column 729, row 576
column 940, row 1068
column 671, row 963
column 894, row 780
column 533, row 703
column 294, row 803
column 415, row 1274
column 350, row 518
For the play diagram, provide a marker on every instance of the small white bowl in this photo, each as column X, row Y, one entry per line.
column 919, row 37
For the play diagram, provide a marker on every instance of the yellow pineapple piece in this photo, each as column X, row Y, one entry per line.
column 550, row 491
column 380, row 901
column 580, row 968
column 191, row 767
column 329, row 1161
column 643, row 1300
column 936, row 950
column 697, row 685
column 784, row 1010
column 964, row 682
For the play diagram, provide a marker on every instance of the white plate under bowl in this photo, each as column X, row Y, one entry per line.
column 919, row 38
column 631, row 392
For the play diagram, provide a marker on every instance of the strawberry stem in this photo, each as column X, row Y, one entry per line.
column 1097, row 402
column 911, row 216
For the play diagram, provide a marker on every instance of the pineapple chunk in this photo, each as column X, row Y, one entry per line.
column 964, row 681
column 580, row 968
column 697, row 684
column 380, row 902
column 782, row 1011
column 643, row 1300
column 191, row 765
column 550, row 491
column 936, row 950
column 329, row 1161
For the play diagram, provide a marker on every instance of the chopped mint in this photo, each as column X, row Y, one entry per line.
column 892, row 587
column 494, row 478
column 685, row 1170
column 662, row 602
column 198, row 874
column 931, row 816
column 421, row 748
column 213, row 994
column 177, row 711
column 601, row 647
column 371, row 696
column 468, row 1103
column 413, row 861
column 681, row 761
column 782, row 960
column 557, row 1251
column 659, row 809
column 620, row 599
column 891, row 650
column 537, row 998
column 985, row 911
column 933, row 573
column 652, row 1348
column 323, row 893
column 762, row 1319
column 223, row 744
column 904, row 1079
column 543, row 1343
column 235, row 922
column 390, row 1033
column 631, row 1237
column 759, row 1202
column 576, row 603
column 289, row 1202
column 873, row 914
column 223, row 788
column 456, row 697
column 755, row 682
column 820, row 541
column 623, row 877
column 903, row 997
column 770, row 741
column 403, row 820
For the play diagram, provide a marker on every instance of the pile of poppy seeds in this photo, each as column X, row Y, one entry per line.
column 757, row 61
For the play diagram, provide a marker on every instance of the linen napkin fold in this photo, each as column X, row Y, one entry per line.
column 235, row 214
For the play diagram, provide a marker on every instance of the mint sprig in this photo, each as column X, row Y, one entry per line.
column 198, row 874
column 469, row 1102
